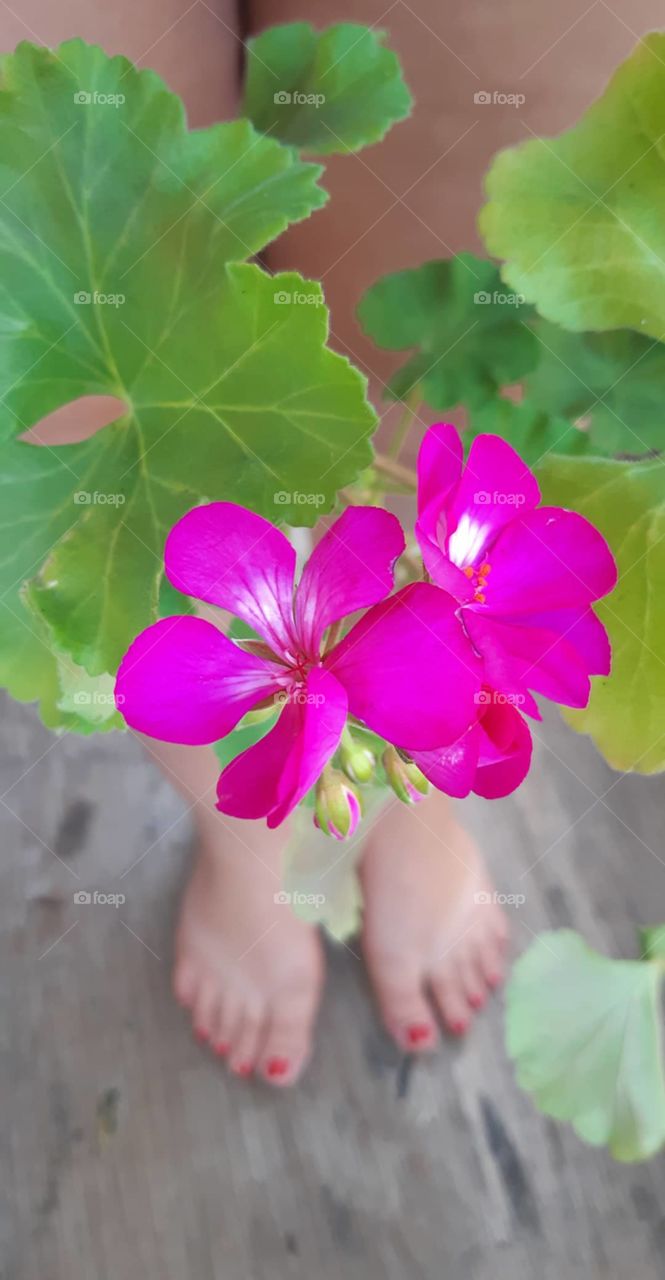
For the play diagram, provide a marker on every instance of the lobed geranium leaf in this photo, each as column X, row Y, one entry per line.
column 584, row 1033
column 531, row 430
column 612, row 382
column 118, row 234
column 626, row 501
column 580, row 219
column 469, row 334
column 337, row 90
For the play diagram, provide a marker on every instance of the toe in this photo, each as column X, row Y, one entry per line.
column 451, row 1000
column 493, row 962
column 404, row 1007
column 246, row 1041
column 227, row 1024
column 472, row 978
column 287, row 1043
column 204, row 1011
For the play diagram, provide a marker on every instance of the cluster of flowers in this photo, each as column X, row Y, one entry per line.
column 441, row 669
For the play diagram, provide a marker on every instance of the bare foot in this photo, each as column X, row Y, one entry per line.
column 431, row 925
column 246, row 967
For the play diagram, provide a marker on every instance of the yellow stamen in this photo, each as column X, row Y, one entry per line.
column 469, row 571
column 479, row 596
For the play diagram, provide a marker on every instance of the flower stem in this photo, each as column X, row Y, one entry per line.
column 411, row 405
column 395, row 470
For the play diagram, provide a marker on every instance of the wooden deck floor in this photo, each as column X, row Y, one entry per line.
column 129, row 1154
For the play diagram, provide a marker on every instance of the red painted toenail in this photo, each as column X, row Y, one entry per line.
column 458, row 1027
column 476, row 1000
column 201, row 1035
column 221, row 1048
column 419, row 1032
column 243, row 1069
column 277, row 1067
column 494, row 979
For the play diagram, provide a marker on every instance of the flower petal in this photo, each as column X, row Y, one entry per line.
column 431, row 534
column 452, row 769
column 234, row 559
column 182, row 680
column 549, row 559
column 351, row 568
column 519, row 657
column 505, row 752
column 270, row 778
column 439, row 464
column 496, row 484
column 409, row 670
column 582, row 629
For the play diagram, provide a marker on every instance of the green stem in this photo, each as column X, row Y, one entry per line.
column 396, row 471
column 411, row 405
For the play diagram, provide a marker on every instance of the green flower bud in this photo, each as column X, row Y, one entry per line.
column 405, row 778
column 357, row 761
column 337, row 809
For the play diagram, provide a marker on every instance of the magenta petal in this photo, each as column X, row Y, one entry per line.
column 495, row 487
column 452, row 769
column 583, row 630
column 549, row 559
column 183, row 681
column 409, row 670
column 236, row 560
column 505, row 752
column 272, row 776
column 520, row 657
column 439, row 464
column 351, row 567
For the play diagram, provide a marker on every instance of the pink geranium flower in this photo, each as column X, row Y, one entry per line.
column 492, row 758
column 406, row 668
column 524, row 575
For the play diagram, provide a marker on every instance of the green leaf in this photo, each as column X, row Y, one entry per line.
column 652, row 942
column 626, row 501
column 335, row 91
column 580, row 219
column 584, row 1033
column 87, row 701
column 532, row 431
column 470, row 335
column 118, row 230
column 612, row 381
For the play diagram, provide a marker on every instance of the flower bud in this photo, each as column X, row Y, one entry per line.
column 357, row 761
column 405, row 778
column 337, row 809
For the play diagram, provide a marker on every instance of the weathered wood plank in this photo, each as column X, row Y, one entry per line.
column 128, row 1151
